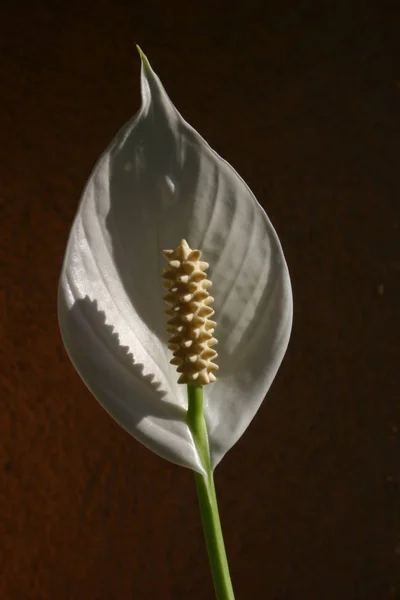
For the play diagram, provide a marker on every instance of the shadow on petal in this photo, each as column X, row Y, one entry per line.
column 122, row 386
column 151, row 172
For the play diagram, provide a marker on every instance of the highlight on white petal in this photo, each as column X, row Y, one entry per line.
column 157, row 183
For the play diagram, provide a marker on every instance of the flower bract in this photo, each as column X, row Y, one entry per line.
column 157, row 183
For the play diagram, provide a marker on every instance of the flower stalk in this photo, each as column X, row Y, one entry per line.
column 207, row 498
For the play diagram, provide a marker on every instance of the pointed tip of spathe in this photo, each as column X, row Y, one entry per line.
column 141, row 53
column 143, row 58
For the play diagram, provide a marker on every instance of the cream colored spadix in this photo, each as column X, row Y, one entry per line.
column 157, row 183
column 189, row 324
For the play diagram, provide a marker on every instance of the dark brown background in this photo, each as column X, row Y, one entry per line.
column 303, row 99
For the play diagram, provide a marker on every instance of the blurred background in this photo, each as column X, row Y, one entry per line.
column 302, row 98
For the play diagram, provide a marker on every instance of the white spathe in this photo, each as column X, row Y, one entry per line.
column 159, row 182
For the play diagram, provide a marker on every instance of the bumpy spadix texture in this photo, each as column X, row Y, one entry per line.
column 189, row 324
column 157, row 183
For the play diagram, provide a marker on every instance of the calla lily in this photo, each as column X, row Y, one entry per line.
column 157, row 183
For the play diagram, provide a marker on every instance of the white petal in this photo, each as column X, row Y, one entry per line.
column 157, row 183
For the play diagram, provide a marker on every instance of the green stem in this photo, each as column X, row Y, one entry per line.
column 208, row 498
